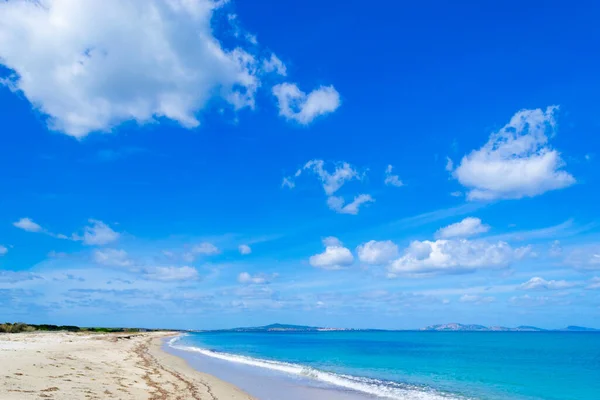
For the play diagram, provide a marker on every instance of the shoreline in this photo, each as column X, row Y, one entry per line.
column 61, row 365
column 266, row 380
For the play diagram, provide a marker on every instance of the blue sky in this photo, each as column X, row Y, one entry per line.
column 194, row 164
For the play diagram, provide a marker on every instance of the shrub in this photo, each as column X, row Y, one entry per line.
column 16, row 327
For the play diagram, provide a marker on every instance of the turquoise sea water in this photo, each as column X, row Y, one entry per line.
column 422, row 365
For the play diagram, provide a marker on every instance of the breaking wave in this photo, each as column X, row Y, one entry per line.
column 375, row 387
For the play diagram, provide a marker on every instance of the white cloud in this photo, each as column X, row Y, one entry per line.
column 517, row 161
column 332, row 181
column 97, row 234
column 454, row 256
column 392, row 180
column 467, row 227
column 332, row 241
column 449, row 164
column 476, row 299
column 296, row 105
column 91, row 65
column 594, row 283
column 336, row 203
column 456, row 194
column 288, row 182
column 584, row 257
column 28, row 225
column 204, row 248
column 244, row 249
column 537, row 283
column 258, row 279
column 335, row 256
column 170, row 273
column 121, row 259
column 3, row 250
column 377, row 253
column 555, row 249
column 274, row 64
column 529, row 301
column 112, row 258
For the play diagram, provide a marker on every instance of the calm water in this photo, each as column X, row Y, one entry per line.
column 422, row 365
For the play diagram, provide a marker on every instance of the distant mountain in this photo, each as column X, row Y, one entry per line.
column 455, row 327
column 526, row 328
column 573, row 328
column 451, row 327
column 277, row 327
column 284, row 328
column 289, row 328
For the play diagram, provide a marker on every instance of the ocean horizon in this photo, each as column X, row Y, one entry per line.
column 422, row 365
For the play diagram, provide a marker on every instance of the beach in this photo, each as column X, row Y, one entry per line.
column 62, row 365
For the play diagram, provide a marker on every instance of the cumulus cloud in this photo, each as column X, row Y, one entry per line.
column 297, row 106
column 28, row 225
column 112, row 258
column 335, row 256
column 97, row 234
column 337, row 203
column 454, row 256
column 332, row 241
column 467, row 227
column 3, row 250
column 377, row 253
column 517, row 161
column 537, row 283
column 244, row 249
column 91, row 65
column 476, row 299
column 392, row 180
column 274, row 64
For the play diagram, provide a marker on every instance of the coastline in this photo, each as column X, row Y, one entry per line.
column 61, row 365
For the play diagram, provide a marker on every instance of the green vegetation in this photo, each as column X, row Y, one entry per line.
column 16, row 327
column 22, row 327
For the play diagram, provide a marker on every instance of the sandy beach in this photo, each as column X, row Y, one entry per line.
column 61, row 365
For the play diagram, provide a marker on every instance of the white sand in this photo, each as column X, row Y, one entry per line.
column 73, row 366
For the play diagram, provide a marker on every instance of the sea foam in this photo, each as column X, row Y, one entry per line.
column 373, row 387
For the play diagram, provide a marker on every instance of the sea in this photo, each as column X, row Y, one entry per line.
column 355, row 365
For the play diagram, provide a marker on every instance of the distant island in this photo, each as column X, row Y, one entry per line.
column 455, row 327
column 285, row 328
column 451, row 327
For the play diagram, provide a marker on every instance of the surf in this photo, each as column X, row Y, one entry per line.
column 374, row 387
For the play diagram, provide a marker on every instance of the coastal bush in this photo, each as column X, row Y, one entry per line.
column 16, row 327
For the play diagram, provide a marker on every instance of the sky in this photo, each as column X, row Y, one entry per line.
column 204, row 164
